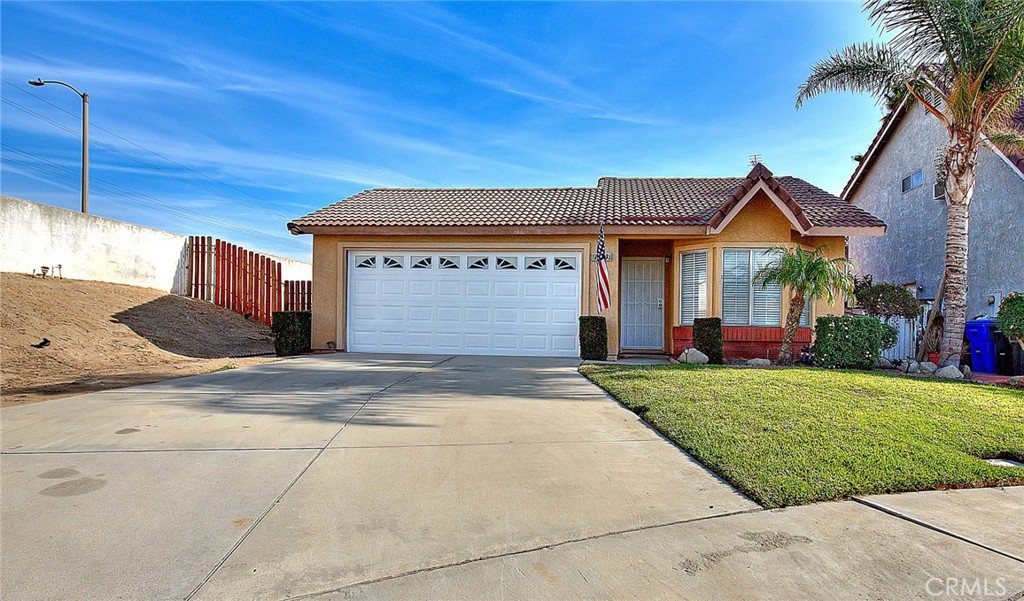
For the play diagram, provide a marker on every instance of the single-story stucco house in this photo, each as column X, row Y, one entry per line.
column 509, row 271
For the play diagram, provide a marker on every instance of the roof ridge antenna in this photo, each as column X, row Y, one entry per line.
column 754, row 159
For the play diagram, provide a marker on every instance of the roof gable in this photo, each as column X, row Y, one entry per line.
column 889, row 127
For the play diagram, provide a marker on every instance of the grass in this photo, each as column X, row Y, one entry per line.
column 794, row 436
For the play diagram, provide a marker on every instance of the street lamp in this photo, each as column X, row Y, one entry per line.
column 85, row 135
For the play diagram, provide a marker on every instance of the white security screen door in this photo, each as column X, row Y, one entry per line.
column 471, row 303
column 643, row 303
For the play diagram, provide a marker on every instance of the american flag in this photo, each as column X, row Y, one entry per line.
column 603, row 290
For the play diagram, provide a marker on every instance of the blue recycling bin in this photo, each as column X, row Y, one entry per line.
column 981, row 333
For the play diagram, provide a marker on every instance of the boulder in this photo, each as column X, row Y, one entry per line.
column 910, row 367
column 883, row 363
column 950, row 372
column 693, row 356
column 759, row 362
column 927, row 367
column 1017, row 381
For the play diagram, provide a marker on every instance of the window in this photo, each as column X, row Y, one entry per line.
column 939, row 191
column 366, row 262
column 745, row 301
column 565, row 263
column 394, row 262
column 506, row 263
column 536, row 262
column 914, row 180
column 805, row 317
column 477, row 262
column 693, row 278
column 421, row 262
column 448, row 262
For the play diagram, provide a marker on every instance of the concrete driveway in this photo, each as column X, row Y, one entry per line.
column 362, row 476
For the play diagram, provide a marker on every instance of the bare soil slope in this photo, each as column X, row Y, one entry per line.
column 110, row 335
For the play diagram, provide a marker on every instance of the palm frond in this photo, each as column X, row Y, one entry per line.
column 1007, row 139
column 868, row 67
column 925, row 31
column 811, row 274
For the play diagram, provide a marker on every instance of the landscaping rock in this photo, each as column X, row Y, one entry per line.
column 927, row 367
column 883, row 363
column 759, row 362
column 693, row 357
column 950, row 372
column 1017, row 381
column 910, row 367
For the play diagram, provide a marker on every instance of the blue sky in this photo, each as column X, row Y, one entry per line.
column 258, row 112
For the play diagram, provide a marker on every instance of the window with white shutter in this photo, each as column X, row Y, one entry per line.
column 805, row 317
column 767, row 299
column 693, row 278
column 736, row 287
column 745, row 300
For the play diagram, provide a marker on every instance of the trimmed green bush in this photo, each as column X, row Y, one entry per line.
column 887, row 301
column 292, row 331
column 707, row 338
column 1011, row 317
column 851, row 341
column 593, row 338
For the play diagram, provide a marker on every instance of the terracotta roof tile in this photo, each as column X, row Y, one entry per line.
column 614, row 201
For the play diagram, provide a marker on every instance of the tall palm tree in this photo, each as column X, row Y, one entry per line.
column 963, row 60
column 809, row 275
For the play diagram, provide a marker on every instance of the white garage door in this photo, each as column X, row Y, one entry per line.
column 474, row 303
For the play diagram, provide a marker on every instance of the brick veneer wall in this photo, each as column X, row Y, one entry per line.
column 744, row 342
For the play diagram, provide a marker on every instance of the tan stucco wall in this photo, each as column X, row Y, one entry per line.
column 760, row 224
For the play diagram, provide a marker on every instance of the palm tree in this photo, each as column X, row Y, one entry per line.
column 809, row 275
column 963, row 60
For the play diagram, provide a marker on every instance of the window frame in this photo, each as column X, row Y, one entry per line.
column 904, row 189
column 752, row 287
column 698, row 314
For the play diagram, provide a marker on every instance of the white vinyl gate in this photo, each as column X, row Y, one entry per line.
column 473, row 302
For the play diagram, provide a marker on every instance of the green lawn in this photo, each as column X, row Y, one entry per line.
column 793, row 436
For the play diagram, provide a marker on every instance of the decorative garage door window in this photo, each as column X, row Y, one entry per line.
column 499, row 303
column 500, row 262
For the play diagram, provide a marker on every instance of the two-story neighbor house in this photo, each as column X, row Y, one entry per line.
column 509, row 271
column 896, row 180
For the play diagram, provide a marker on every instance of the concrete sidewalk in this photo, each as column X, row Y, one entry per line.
column 436, row 477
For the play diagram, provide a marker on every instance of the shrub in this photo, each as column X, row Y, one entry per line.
column 707, row 337
column 593, row 338
column 851, row 341
column 887, row 301
column 1010, row 318
column 292, row 331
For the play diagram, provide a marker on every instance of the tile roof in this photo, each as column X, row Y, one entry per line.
column 645, row 201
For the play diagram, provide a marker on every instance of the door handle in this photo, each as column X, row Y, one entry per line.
column 661, row 303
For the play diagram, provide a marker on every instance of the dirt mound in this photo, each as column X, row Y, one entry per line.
column 110, row 335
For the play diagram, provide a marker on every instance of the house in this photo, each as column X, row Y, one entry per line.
column 509, row 271
column 896, row 180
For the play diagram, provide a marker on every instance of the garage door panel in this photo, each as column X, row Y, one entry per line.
column 514, row 304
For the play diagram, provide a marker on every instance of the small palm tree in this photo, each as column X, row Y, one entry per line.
column 963, row 61
column 809, row 275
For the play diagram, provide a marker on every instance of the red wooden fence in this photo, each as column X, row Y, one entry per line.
column 298, row 295
column 246, row 282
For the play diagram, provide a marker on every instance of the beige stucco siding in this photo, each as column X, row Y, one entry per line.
column 759, row 225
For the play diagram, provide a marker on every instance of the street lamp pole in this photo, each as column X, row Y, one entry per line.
column 85, row 135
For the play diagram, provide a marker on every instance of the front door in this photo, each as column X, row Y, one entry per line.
column 643, row 303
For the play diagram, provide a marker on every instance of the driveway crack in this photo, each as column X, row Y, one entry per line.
column 571, row 541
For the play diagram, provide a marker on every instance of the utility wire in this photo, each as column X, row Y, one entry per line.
column 156, row 154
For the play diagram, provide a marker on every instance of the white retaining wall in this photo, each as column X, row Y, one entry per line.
column 88, row 247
